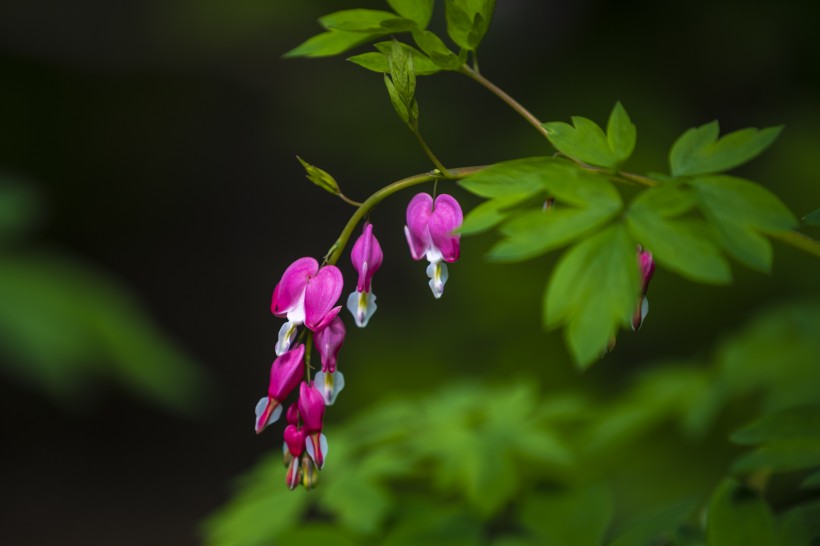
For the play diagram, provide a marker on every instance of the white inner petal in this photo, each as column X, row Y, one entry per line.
column 287, row 333
column 438, row 274
column 297, row 314
column 644, row 308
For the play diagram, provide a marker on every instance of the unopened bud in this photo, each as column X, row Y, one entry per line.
column 320, row 177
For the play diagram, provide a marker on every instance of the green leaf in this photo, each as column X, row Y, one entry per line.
column 698, row 150
column 397, row 101
column 585, row 141
column 738, row 516
column 653, row 528
column 402, row 72
column 439, row 53
column 459, row 23
column 812, row 218
column 621, row 133
column 520, row 176
column 490, row 213
column 740, row 210
column 685, row 246
column 593, row 201
column 332, row 42
column 419, row 11
column 593, row 290
column 366, row 20
column 377, row 61
column 577, row 517
column 321, row 178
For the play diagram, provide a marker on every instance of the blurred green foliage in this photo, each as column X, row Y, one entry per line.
column 509, row 465
column 65, row 326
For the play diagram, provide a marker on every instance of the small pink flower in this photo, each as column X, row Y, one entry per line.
column 647, row 265
column 285, row 373
column 305, row 295
column 293, row 448
column 367, row 258
column 312, row 411
column 328, row 342
column 429, row 233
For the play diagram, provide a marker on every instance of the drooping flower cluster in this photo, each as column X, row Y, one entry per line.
column 306, row 295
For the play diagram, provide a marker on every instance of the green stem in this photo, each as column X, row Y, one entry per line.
column 442, row 169
column 497, row 91
column 798, row 240
column 348, row 200
column 338, row 247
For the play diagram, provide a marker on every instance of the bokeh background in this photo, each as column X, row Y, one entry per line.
column 155, row 143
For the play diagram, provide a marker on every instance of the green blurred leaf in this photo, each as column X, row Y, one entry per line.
column 740, row 210
column 480, row 449
column 698, row 150
column 438, row 52
column 785, row 335
column 799, row 526
column 811, row 482
column 320, row 177
column 800, row 423
column 434, row 525
column 738, row 516
column 685, row 246
column 19, row 208
column 377, row 61
column 656, row 526
column 315, row 534
column 621, row 133
column 812, row 218
column 419, row 11
column 62, row 325
column 260, row 511
column 790, row 438
column 333, row 42
column 593, row 290
column 366, row 20
column 577, row 517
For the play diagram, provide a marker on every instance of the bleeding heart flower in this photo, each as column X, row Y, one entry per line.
column 285, row 373
column 429, row 232
column 312, row 410
column 367, row 258
column 306, row 294
column 328, row 342
column 647, row 265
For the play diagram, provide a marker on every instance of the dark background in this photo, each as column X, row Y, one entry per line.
column 162, row 134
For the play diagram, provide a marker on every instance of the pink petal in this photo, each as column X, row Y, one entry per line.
column 286, row 372
column 311, row 407
column 295, row 440
column 321, row 295
column 418, row 214
column 446, row 218
column 328, row 342
column 292, row 415
column 366, row 257
column 288, row 291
